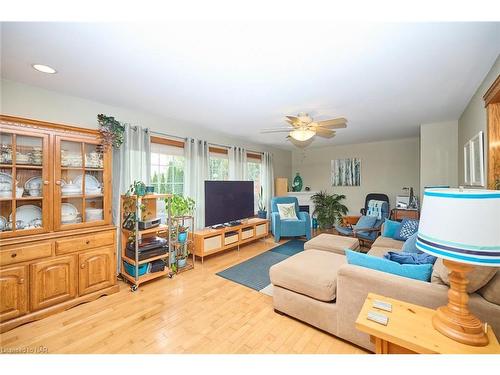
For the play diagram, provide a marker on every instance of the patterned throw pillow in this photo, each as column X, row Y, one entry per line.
column 287, row 211
column 407, row 229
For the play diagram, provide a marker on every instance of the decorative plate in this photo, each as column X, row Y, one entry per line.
column 67, row 209
column 3, row 223
column 4, row 177
column 33, row 183
column 91, row 183
column 27, row 213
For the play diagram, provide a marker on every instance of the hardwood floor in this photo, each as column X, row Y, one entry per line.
column 195, row 312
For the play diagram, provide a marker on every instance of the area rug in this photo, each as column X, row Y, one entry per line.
column 254, row 272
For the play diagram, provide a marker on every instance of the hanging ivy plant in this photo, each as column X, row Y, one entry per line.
column 112, row 132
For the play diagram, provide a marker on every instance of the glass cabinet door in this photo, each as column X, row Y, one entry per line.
column 24, row 183
column 80, row 183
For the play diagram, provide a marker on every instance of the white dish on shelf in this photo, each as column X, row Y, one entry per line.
column 35, row 192
column 27, row 213
column 33, row 183
column 19, row 192
column 93, row 214
column 91, row 183
column 6, row 194
column 5, row 179
column 68, row 211
column 71, row 189
column 3, row 223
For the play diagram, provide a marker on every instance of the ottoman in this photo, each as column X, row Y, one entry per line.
column 305, row 287
column 332, row 243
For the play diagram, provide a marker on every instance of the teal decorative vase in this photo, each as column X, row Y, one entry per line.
column 297, row 183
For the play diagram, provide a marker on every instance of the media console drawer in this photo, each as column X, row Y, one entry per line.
column 229, row 239
column 212, row 243
column 261, row 229
column 246, row 233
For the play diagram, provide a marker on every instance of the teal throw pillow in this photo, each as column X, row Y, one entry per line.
column 391, row 227
column 413, row 271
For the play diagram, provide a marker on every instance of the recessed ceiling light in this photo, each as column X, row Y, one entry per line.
column 44, row 68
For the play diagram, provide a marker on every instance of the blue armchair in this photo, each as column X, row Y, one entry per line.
column 289, row 228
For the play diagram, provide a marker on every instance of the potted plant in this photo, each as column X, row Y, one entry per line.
column 137, row 188
column 180, row 206
column 262, row 213
column 328, row 208
column 182, row 234
column 182, row 255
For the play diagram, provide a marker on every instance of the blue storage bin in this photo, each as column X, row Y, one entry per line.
column 130, row 269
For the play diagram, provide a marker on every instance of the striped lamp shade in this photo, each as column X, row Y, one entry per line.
column 461, row 225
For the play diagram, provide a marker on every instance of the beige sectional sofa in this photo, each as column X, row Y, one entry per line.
column 320, row 288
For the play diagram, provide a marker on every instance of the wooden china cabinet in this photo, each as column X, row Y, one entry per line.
column 57, row 243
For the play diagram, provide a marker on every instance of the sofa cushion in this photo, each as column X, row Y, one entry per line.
column 478, row 277
column 388, row 243
column 407, row 228
column 491, row 291
column 332, row 242
column 410, row 245
column 390, row 228
column 312, row 273
column 413, row 271
column 365, row 222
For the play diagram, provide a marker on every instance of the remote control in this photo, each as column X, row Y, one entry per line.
column 386, row 306
column 378, row 318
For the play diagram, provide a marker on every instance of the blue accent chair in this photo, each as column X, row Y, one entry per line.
column 289, row 228
column 365, row 233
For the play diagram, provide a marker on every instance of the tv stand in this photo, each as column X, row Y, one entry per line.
column 233, row 223
column 210, row 241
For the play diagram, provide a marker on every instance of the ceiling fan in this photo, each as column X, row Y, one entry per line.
column 302, row 128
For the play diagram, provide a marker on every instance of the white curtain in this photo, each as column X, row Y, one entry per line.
column 267, row 179
column 132, row 161
column 237, row 163
column 196, row 156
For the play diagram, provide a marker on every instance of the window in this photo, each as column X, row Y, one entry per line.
column 218, row 164
column 254, row 171
column 167, row 170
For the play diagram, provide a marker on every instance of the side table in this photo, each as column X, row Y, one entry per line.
column 410, row 331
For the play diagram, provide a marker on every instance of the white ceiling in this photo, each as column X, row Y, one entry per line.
column 239, row 76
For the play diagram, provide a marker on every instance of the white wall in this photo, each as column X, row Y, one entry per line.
column 386, row 167
column 439, row 154
column 22, row 100
column 473, row 120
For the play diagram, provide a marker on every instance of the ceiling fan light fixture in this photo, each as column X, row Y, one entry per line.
column 302, row 134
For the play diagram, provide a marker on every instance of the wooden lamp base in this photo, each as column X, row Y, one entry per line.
column 454, row 320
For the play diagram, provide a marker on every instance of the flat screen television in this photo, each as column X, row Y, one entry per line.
column 227, row 201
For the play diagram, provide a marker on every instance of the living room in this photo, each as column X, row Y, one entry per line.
column 175, row 189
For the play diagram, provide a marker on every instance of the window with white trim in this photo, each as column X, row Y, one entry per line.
column 167, row 168
column 218, row 165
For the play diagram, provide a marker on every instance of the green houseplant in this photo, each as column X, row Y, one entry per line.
column 328, row 208
column 180, row 206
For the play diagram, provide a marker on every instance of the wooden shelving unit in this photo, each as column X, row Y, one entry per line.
column 145, row 209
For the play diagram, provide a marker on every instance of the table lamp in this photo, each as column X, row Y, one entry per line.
column 462, row 226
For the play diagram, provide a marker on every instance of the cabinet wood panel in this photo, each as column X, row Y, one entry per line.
column 52, row 281
column 13, row 292
column 96, row 270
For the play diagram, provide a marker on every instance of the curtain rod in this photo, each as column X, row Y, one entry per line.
column 209, row 143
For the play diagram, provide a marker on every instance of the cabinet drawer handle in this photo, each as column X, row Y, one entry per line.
column 82, row 266
column 13, row 255
column 21, row 281
column 87, row 242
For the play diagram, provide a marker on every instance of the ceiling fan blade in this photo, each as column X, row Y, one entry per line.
column 335, row 123
column 325, row 133
column 294, row 124
column 300, row 144
column 276, row 130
